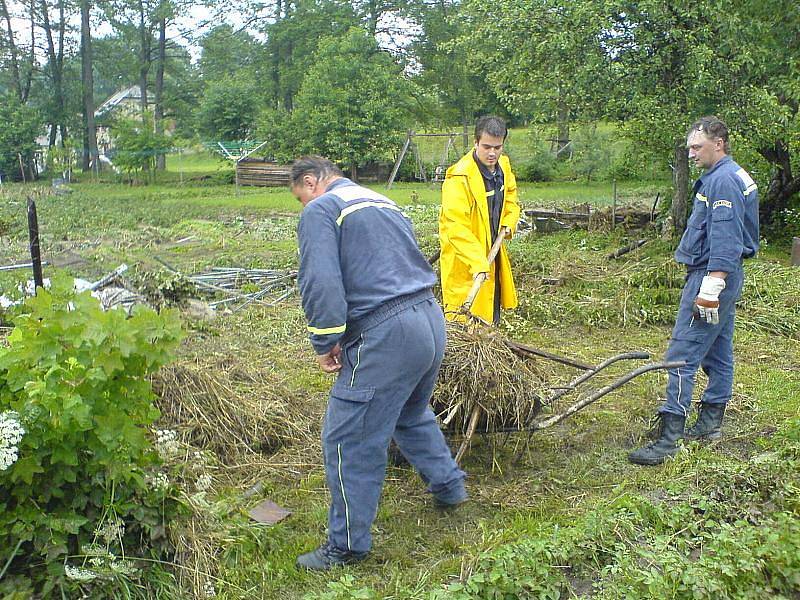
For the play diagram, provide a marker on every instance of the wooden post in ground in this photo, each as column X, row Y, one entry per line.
column 401, row 156
column 36, row 255
column 796, row 252
column 614, row 207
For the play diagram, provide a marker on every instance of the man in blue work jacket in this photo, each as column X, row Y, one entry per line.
column 721, row 232
column 366, row 293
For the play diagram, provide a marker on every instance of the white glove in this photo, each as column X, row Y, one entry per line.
column 707, row 301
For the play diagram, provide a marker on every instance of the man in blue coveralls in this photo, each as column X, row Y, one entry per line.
column 366, row 292
column 721, row 232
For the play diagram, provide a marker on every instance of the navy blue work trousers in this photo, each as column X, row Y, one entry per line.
column 702, row 345
column 390, row 362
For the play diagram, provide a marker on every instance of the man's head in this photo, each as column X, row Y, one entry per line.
column 707, row 142
column 310, row 177
column 490, row 135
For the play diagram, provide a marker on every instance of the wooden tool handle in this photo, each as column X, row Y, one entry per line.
column 478, row 282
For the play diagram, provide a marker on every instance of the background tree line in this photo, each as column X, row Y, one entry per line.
column 346, row 79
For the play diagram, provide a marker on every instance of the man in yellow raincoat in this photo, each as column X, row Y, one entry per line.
column 479, row 197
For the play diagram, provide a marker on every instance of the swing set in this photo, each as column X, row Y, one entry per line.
column 448, row 156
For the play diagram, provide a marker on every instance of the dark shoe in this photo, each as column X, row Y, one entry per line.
column 666, row 444
column 327, row 556
column 709, row 423
column 451, row 500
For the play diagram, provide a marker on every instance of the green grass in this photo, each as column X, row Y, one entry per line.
column 559, row 513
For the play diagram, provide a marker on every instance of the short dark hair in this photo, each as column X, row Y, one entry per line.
column 490, row 125
column 318, row 166
column 713, row 128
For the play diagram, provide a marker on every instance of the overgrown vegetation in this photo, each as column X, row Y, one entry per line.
column 559, row 514
column 80, row 492
column 17, row 139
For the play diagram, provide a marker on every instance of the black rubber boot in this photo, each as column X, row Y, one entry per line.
column 327, row 556
column 665, row 446
column 709, row 423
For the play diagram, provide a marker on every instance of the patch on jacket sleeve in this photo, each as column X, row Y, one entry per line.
column 719, row 203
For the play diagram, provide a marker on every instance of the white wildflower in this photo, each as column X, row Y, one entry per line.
column 11, row 432
column 159, row 481
column 79, row 574
column 122, row 567
column 210, row 590
column 203, row 482
column 199, row 461
column 111, row 531
column 167, row 443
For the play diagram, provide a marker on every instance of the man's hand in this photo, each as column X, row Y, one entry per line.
column 707, row 301
column 330, row 362
column 483, row 274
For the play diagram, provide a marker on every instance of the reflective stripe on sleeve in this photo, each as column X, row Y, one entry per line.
column 327, row 330
column 360, row 205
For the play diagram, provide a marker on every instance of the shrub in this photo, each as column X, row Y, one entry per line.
column 137, row 146
column 17, row 136
column 77, row 406
column 540, row 167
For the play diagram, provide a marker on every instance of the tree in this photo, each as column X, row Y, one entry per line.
column 224, row 49
column 87, row 85
column 138, row 145
column 544, row 59
column 292, row 42
column 353, row 102
column 765, row 102
column 58, row 115
column 229, row 108
column 21, row 60
column 21, row 125
column 460, row 90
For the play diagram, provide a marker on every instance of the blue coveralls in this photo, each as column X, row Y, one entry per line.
column 721, row 231
column 366, row 286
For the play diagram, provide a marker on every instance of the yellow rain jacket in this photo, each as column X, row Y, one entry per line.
column 465, row 238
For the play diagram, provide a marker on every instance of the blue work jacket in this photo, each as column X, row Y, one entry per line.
column 357, row 251
column 723, row 226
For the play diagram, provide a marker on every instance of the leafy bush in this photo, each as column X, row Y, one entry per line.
column 137, row 146
column 72, row 377
column 541, row 167
column 17, row 136
column 229, row 108
column 353, row 102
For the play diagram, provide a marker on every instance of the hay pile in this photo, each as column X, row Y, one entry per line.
column 231, row 412
column 770, row 299
column 479, row 369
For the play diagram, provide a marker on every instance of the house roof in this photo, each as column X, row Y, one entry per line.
column 132, row 93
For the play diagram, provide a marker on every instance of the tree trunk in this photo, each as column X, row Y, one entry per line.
column 87, row 84
column 563, row 130
column 782, row 186
column 158, row 115
column 680, row 180
column 62, row 28
column 144, row 58
column 56, row 66
column 288, row 100
column 372, row 17
column 26, row 88
column 465, row 130
column 16, row 82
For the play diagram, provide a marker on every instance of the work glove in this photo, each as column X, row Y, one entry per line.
column 707, row 301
